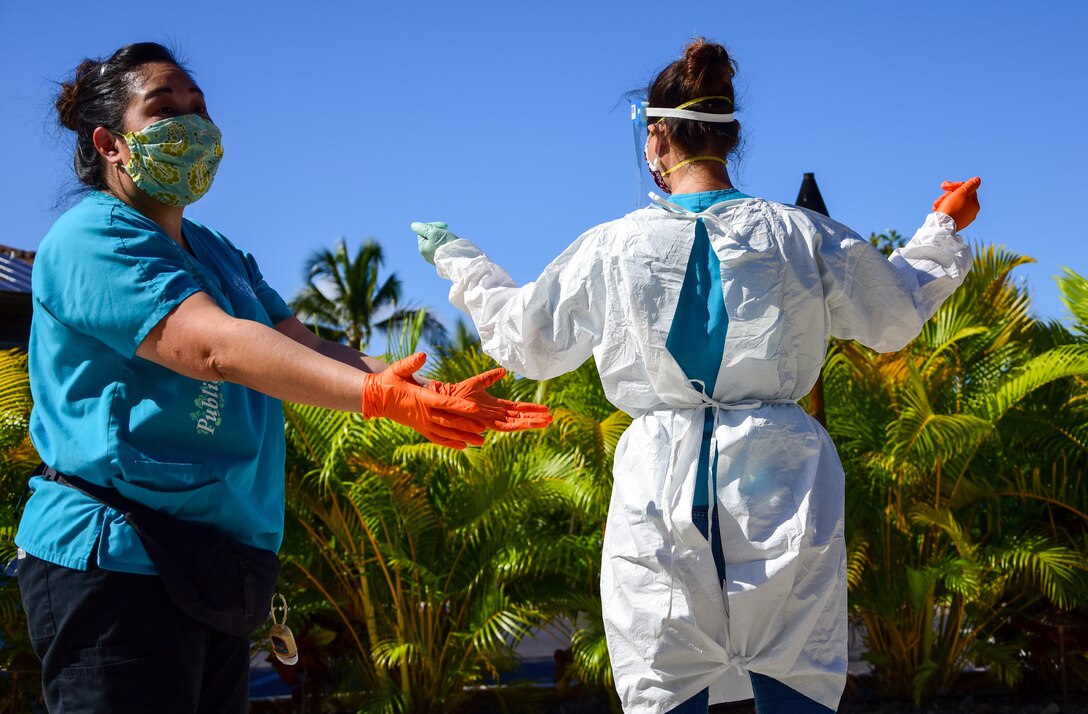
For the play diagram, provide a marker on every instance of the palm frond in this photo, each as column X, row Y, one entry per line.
column 1074, row 293
column 1058, row 363
column 1052, row 568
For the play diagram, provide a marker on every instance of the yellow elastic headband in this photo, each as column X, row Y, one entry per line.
column 702, row 99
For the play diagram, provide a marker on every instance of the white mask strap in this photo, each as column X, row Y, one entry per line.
column 688, row 114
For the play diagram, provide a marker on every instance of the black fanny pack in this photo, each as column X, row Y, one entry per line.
column 218, row 581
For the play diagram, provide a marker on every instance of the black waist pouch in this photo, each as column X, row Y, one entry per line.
column 218, row 581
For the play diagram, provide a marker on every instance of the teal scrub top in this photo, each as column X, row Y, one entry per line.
column 204, row 451
column 697, row 337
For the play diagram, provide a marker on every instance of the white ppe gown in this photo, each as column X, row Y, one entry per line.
column 790, row 279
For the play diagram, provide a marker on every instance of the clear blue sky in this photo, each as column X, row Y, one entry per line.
column 508, row 120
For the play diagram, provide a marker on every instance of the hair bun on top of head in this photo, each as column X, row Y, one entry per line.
column 707, row 68
column 70, row 92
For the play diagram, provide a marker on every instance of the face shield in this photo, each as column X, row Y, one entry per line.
column 643, row 180
column 641, row 114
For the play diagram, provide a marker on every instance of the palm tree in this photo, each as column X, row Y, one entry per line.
column 344, row 297
column 955, row 519
column 426, row 556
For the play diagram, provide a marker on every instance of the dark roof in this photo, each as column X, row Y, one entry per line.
column 15, row 268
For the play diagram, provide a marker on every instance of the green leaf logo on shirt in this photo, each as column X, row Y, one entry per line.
column 209, row 408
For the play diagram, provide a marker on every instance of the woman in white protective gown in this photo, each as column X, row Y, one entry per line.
column 723, row 572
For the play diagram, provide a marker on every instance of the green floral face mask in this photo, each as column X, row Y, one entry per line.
column 174, row 160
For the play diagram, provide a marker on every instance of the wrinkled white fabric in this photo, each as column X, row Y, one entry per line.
column 791, row 279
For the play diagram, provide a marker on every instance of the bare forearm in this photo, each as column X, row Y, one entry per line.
column 197, row 339
column 263, row 359
column 351, row 357
column 358, row 360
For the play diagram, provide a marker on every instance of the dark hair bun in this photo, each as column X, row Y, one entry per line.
column 707, row 69
column 70, row 93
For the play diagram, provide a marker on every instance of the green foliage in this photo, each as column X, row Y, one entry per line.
column 17, row 460
column 1074, row 289
column 965, row 457
column 888, row 242
column 434, row 562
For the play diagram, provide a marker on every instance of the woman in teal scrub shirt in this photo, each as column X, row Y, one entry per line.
column 158, row 359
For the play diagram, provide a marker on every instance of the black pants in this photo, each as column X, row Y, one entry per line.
column 114, row 643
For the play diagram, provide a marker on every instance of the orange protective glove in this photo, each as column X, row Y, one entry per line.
column 446, row 420
column 498, row 414
column 960, row 200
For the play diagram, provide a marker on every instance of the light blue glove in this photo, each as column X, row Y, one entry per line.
column 431, row 236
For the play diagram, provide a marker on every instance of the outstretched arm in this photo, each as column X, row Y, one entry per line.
column 199, row 340
column 541, row 330
column 292, row 327
column 884, row 302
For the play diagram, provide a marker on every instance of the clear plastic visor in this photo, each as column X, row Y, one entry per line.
column 643, row 180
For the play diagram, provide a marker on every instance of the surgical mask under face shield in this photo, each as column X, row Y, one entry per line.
column 641, row 114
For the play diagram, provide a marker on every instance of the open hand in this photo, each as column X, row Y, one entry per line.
column 497, row 414
column 448, row 420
